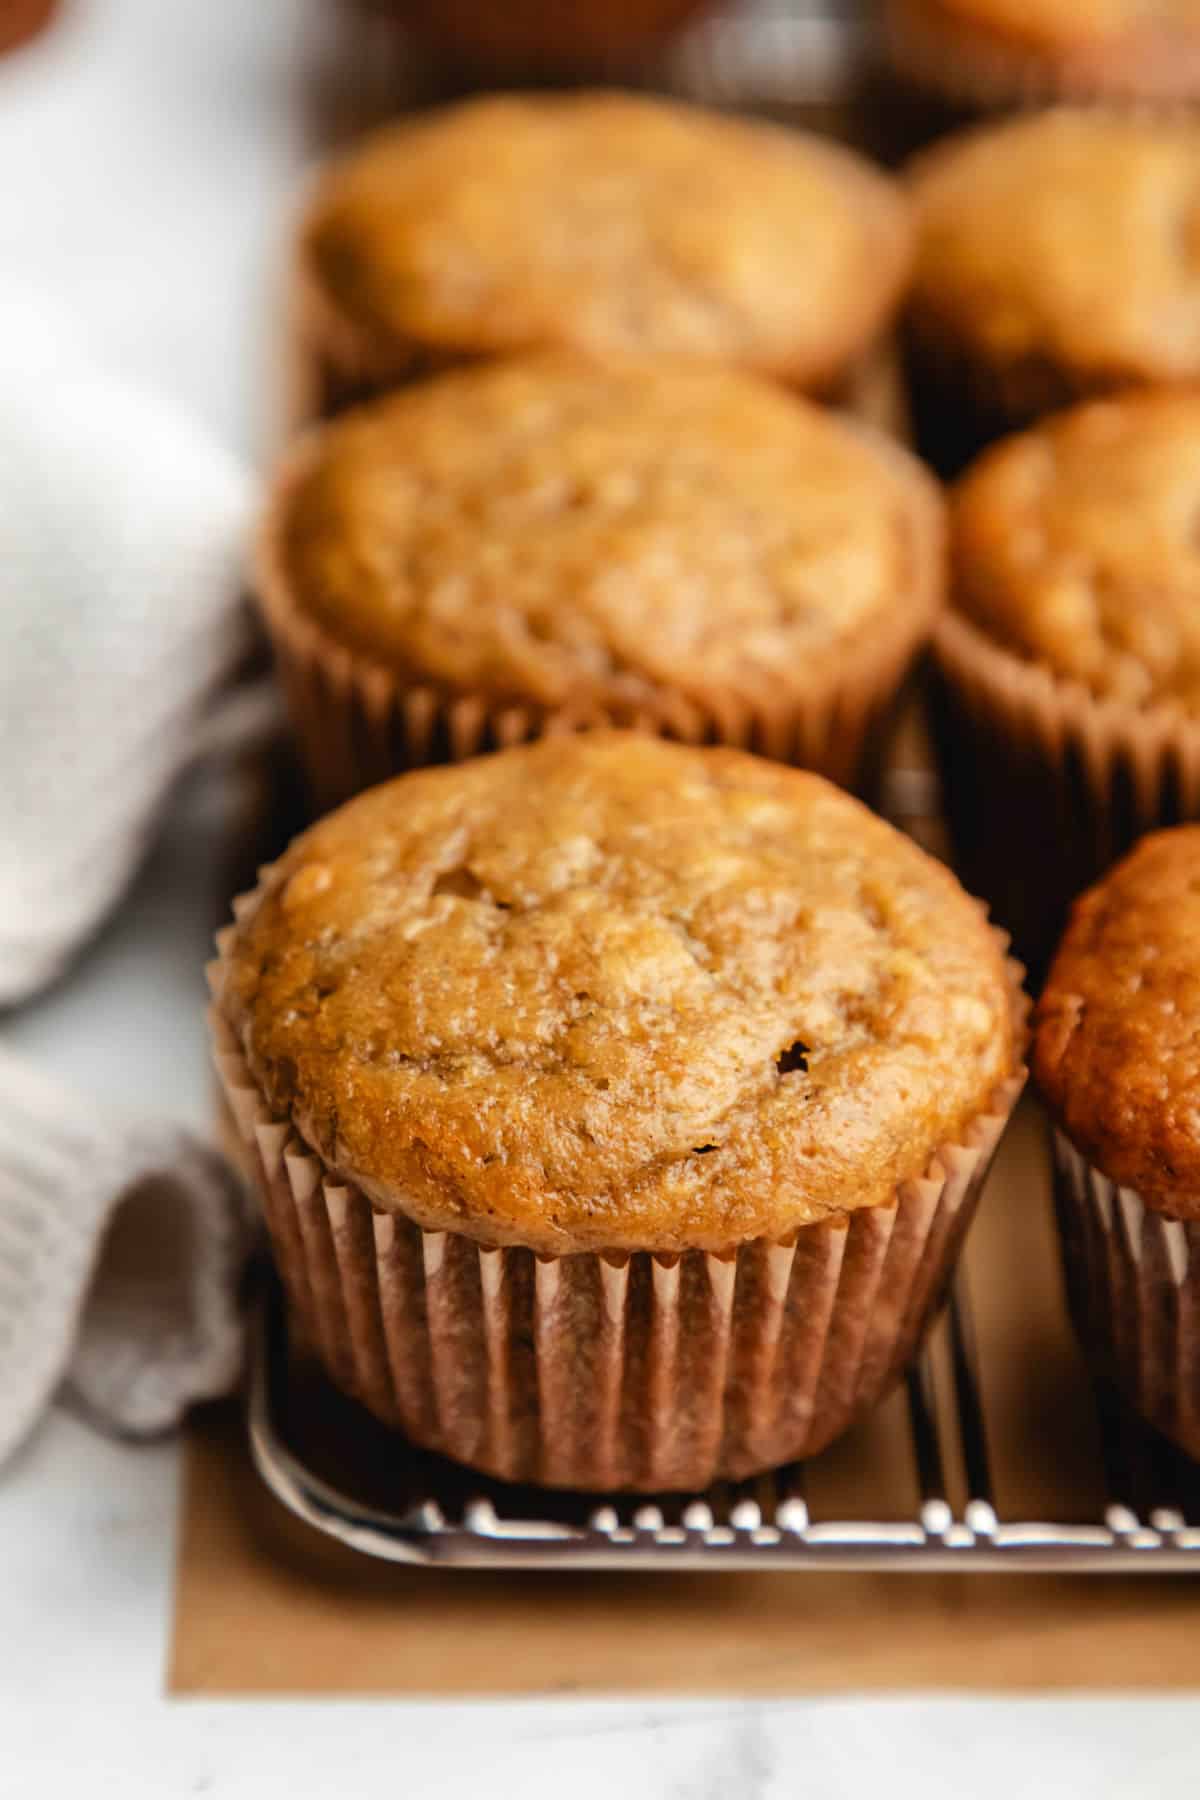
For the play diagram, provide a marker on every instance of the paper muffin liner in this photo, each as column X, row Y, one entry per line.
column 961, row 402
column 1045, row 786
column 630, row 1370
column 1133, row 1286
column 357, row 722
column 969, row 68
column 875, row 390
column 332, row 364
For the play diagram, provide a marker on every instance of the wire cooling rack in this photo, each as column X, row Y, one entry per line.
column 434, row 1513
column 328, row 1463
column 816, row 62
column 770, row 52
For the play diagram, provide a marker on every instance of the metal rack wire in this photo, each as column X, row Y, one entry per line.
column 448, row 1517
column 800, row 57
column 769, row 52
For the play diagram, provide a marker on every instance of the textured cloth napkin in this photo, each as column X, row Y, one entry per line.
column 122, row 530
column 122, row 1243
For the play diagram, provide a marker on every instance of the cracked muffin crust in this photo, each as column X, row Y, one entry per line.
column 601, row 222
column 607, row 993
column 1058, row 257
column 1117, row 1051
column 558, row 532
column 1077, row 546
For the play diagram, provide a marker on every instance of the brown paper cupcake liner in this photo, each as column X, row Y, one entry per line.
column 632, row 1370
column 961, row 403
column 357, row 722
column 875, row 390
column 1046, row 786
column 1133, row 1286
column 965, row 68
column 332, row 364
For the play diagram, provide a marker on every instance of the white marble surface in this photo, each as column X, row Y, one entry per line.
column 147, row 152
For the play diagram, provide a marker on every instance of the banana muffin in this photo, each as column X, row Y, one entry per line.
column 1058, row 259
column 1117, row 1060
column 551, row 543
column 1021, row 52
column 21, row 20
column 618, row 1106
column 598, row 222
column 1070, row 661
column 527, row 37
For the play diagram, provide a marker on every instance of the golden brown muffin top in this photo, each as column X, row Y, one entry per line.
column 605, row 222
column 1069, row 238
column 560, row 532
column 605, row 992
column 1117, row 1054
column 1076, row 544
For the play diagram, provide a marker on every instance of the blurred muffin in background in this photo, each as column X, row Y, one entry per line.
column 998, row 53
column 528, row 35
column 617, row 1108
column 1058, row 257
column 549, row 543
column 21, row 20
column 1118, row 1065
column 1069, row 664
column 599, row 222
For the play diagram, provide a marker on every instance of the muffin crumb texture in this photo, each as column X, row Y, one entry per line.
column 609, row 993
column 559, row 532
column 1117, row 1053
column 608, row 222
column 1077, row 545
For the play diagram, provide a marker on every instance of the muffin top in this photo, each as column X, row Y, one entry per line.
column 605, row 222
column 605, row 992
column 565, row 533
column 1069, row 239
column 1117, row 1054
column 1076, row 544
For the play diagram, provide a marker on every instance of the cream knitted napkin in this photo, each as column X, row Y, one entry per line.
column 121, row 538
column 122, row 1243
